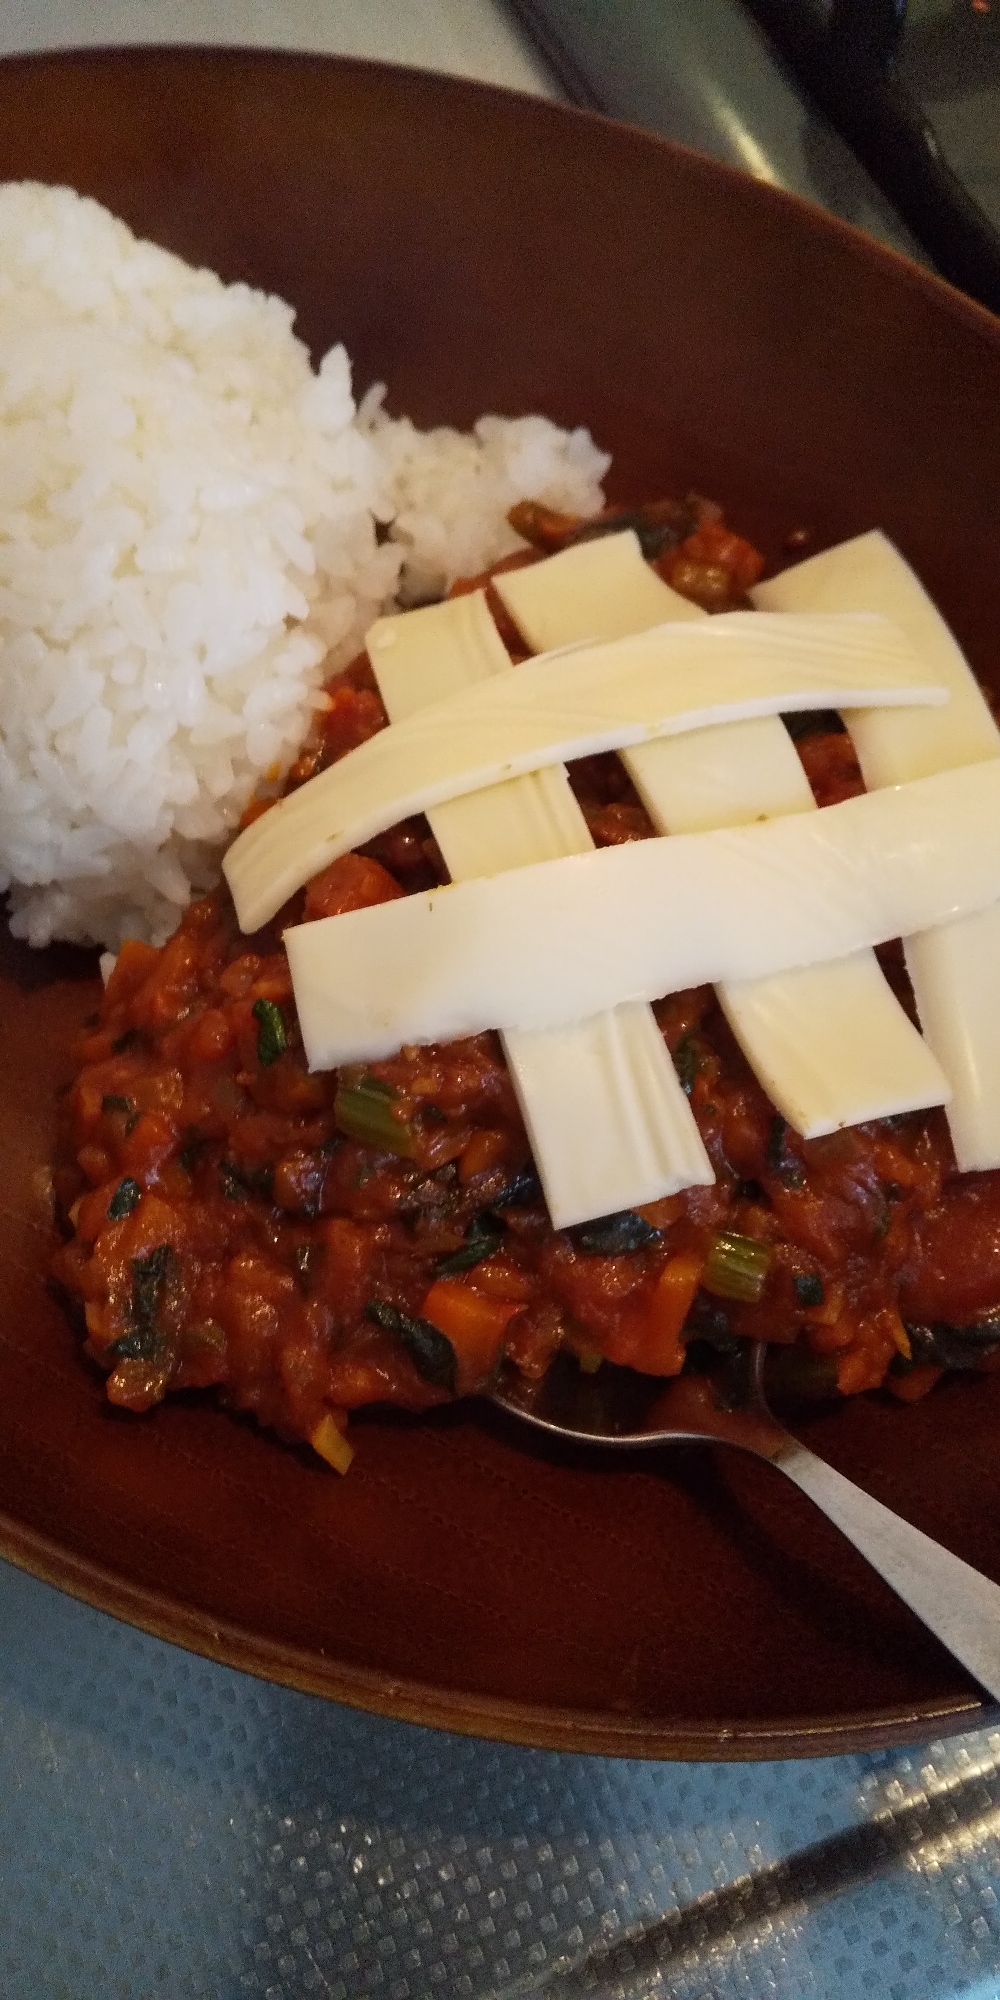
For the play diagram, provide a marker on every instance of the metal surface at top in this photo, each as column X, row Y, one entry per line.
column 703, row 72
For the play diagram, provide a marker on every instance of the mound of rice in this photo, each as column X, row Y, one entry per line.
column 195, row 530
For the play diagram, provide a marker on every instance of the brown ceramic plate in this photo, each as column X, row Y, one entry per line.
column 481, row 251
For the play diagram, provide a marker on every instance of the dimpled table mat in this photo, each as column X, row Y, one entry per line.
column 173, row 1830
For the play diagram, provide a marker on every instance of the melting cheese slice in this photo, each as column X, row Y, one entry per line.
column 663, row 682
column 609, row 1125
column 567, row 939
column 955, row 972
column 831, row 1045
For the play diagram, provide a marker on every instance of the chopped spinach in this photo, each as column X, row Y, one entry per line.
column 949, row 1346
column 144, row 1340
column 781, row 1163
column 523, row 1190
column 272, row 1040
column 431, row 1353
column 687, row 1063
column 483, row 1236
column 613, row 1235
column 126, row 1197
column 809, row 1289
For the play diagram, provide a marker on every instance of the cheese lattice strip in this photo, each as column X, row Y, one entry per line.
column 831, row 1045
column 663, row 682
column 536, row 947
column 955, row 972
column 609, row 1125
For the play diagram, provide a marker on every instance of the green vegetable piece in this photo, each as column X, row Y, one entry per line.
column 523, row 1190
column 238, row 1182
column 272, row 1040
column 949, row 1346
column 431, row 1353
column 363, row 1110
column 777, row 1159
column 613, row 1235
column 687, row 1063
column 736, row 1267
column 149, row 1275
column 126, row 1197
column 112, row 1103
column 809, row 1289
column 482, row 1238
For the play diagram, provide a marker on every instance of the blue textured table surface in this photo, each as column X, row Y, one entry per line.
column 169, row 1828
column 172, row 1829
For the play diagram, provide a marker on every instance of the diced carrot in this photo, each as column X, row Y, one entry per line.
column 255, row 810
column 473, row 1322
column 484, row 1149
column 661, row 1351
column 210, row 1036
column 915, row 1384
column 503, row 1279
column 660, row 1214
column 713, row 542
column 134, row 961
column 352, row 882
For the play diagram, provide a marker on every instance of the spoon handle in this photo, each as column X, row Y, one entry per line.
column 959, row 1605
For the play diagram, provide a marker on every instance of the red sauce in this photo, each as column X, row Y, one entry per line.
column 230, row 1228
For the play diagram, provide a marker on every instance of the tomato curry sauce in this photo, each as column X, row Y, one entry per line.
column 307, row 1244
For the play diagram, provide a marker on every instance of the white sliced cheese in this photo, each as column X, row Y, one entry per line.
column 567, row 939
column 955, row 972
column 601, row 589
column 831, row 1046
column 869, row 574
column 663, row 682
column 609, row 1124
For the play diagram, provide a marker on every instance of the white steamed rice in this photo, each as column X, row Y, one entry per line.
column 188, row 547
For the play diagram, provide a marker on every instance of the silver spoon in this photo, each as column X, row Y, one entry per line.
column 631, row 1412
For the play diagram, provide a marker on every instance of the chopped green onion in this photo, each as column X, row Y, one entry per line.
column 736, row 1267
column 482, row 1238
column 126, row 1197
column 809, row 1289
column 272, row 1040
column 364, row 1111
column 431, row 1353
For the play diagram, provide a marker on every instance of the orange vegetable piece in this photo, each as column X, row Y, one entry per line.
column 475, row 1324
column 352, row 882
column 662, row 1351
